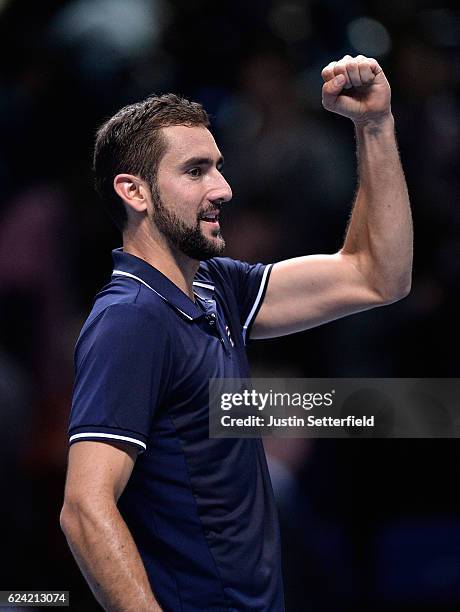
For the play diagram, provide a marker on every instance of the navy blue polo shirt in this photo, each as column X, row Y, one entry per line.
column 200, row 510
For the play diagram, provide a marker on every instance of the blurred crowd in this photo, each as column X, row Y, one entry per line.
column 366, row 524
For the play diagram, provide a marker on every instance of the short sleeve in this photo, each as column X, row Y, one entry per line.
column 247, row 281
column 122, row 365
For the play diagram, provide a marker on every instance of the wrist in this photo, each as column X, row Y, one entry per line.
column 375, row 125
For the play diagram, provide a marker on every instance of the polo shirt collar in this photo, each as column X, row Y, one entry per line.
column 125, row 264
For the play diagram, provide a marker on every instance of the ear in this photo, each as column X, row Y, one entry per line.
column 132, row 190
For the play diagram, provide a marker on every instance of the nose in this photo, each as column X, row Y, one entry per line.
column 221, row 191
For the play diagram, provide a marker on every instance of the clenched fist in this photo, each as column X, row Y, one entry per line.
column 356, row 87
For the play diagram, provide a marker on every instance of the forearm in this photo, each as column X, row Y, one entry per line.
column 108, row 558
column 379, row 235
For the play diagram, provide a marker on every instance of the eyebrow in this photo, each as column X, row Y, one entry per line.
column 202, row 161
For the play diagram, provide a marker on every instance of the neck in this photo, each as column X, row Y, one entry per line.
column 176, row 266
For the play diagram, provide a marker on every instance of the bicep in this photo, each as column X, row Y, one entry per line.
column 308, row 291
column 98, row 470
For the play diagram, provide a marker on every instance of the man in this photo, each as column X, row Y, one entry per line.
column 158, row 515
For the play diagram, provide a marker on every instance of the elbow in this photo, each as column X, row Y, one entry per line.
column 394, row 292
column 78, row 513
column 405, row 290
column 384, row 285
column 68, row 517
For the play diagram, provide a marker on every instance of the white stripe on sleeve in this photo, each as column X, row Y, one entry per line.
column 90, row 434
column 256, row 302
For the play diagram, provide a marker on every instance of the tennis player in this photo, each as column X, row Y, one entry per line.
column 157, row 515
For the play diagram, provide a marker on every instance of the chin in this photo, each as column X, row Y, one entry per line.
column 215, row 240
column 216, row 248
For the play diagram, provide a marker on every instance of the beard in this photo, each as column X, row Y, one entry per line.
column 189, row 240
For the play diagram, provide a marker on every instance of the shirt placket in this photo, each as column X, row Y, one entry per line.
column 215, row 323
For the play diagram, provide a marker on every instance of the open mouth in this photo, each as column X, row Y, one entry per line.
column 210, row 217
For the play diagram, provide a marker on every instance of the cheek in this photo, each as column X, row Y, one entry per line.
column 181, row 199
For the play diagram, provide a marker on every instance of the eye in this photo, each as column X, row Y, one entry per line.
column 195, row 172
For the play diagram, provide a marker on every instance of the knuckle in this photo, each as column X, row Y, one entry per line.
column 328, row 69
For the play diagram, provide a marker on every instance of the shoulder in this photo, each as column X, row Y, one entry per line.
column 232, row 273
column 131, row 296
column 213, row 269
column 125, row 299
column 124, row 318
column 221, row 270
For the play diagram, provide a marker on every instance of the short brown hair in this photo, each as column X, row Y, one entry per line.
column 131, row 142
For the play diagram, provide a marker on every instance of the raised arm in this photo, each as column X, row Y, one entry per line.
column 97, row 535
column 374, row 266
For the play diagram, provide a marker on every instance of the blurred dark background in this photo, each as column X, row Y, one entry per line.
column 366, row 524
